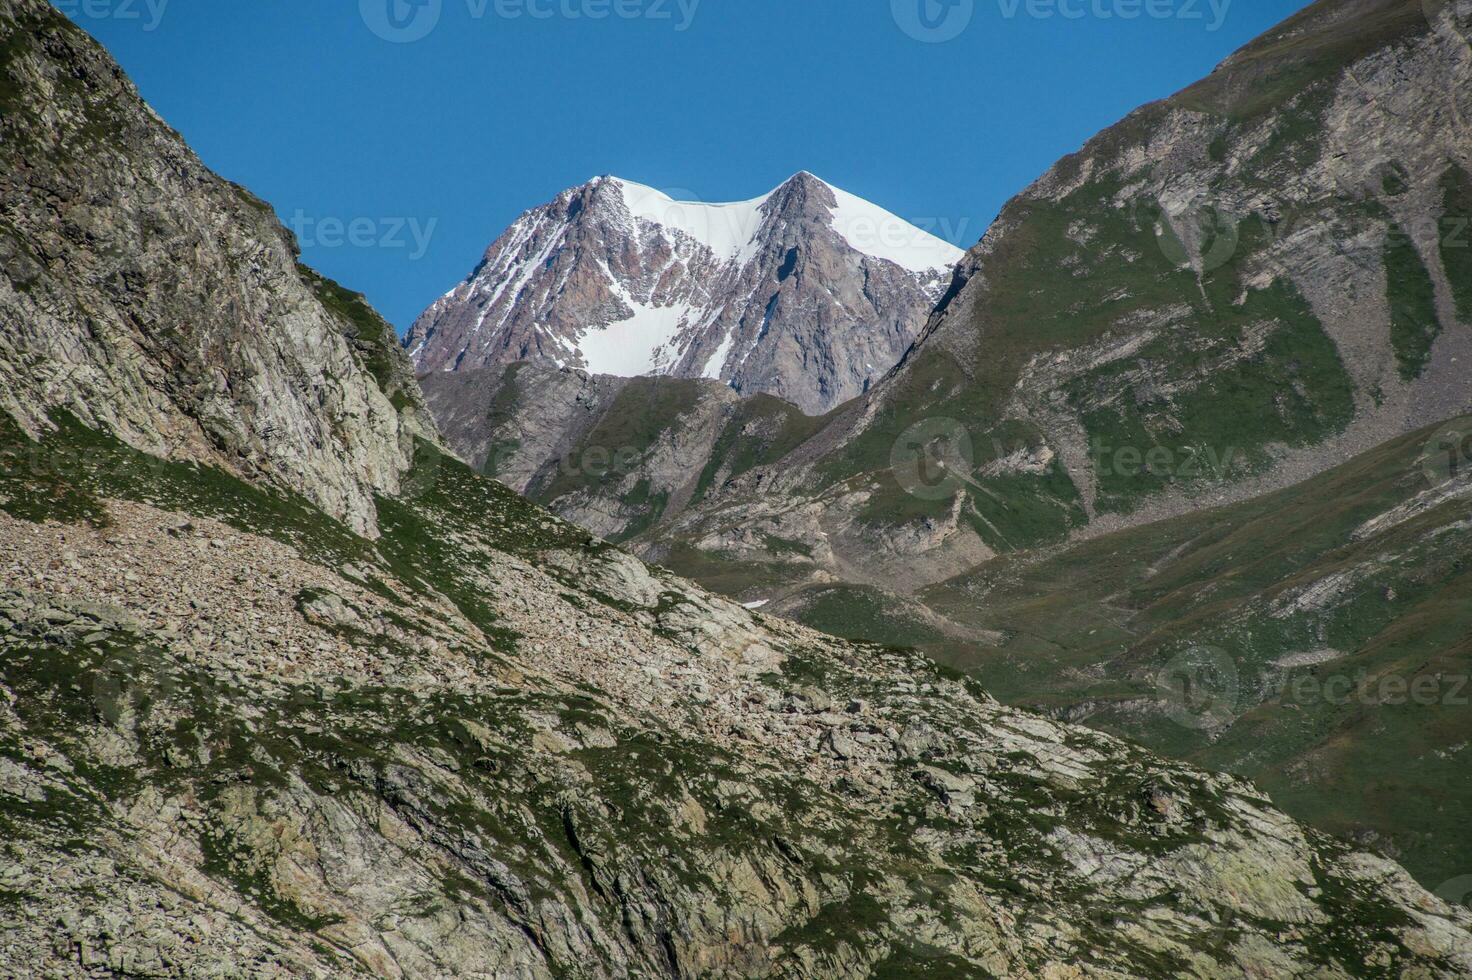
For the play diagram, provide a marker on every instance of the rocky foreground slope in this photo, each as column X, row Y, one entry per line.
column 239, row 738
column 807, row 293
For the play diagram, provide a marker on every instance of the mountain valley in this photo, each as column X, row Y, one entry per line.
column 293, row 682
column 1285, row 252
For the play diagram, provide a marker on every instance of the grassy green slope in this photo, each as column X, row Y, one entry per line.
column 648, row 413
column 1327, row 627
column 761, row 431
column 1456, row 238
column 1414, row 325
column 1233, row 367
column 1243, row 368
column 1317, row 42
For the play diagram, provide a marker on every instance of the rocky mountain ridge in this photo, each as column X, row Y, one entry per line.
column 1209, row 314
column 141, row 292
column 807, row 293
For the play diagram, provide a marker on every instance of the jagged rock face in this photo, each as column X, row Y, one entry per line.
column 1228, row 292
column 236, row 739
column 615, row 455
column 141, row 292
column 1319, row 225
column 514, row 422
column 808, row 293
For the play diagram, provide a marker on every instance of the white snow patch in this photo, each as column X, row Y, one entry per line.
column 636, row 346
column 717, row 363
column 870, row 229
column 755, row 605
column 728, row 230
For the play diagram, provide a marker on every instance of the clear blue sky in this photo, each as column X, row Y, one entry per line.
column 504, row 103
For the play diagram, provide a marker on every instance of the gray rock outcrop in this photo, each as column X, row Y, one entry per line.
column 140, row 292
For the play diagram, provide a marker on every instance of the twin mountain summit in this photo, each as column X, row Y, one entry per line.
column 753, row 589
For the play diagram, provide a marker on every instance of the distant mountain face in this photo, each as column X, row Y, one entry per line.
column 615, row 455
column 1227, row 292
column 807, row 293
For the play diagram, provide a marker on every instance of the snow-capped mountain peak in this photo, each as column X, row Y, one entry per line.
column 729, row 229
column 806, row 292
